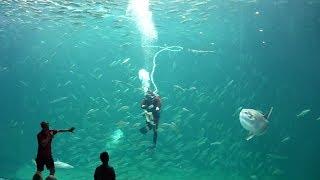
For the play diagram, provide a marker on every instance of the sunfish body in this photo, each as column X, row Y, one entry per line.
column 59, row 165
column 62, row 165
column 115, row 139
column 254, row 122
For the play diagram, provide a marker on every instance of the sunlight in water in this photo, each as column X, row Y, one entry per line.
column 140, row 11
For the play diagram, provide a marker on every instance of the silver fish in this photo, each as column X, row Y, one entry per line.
column 304, row 112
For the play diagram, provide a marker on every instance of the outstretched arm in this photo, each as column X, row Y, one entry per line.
column 66, row 130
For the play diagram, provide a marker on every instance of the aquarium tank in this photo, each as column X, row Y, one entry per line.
column 171, row 89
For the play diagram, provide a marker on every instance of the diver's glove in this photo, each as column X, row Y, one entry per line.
column 157, row 108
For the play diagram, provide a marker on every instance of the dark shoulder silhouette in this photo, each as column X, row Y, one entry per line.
column 104, row 172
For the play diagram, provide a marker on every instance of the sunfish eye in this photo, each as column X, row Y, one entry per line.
column 248, row 114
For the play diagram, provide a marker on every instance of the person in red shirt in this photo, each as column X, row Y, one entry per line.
column 44, row 155
column 151, row 104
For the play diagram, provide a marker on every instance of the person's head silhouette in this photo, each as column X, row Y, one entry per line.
column 104, row 157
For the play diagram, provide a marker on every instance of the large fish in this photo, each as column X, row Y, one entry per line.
column 62, row 165
column 254, row 122
column 59, row 165
column 114, row 139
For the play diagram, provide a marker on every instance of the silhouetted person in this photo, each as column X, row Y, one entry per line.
column 104, row 171
column 151, row 104
column 44, row 155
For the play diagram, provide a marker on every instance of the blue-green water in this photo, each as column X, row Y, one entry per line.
column 76, row 63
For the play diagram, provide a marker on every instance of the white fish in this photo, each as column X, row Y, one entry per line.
column 123, row 108
column 185, row 109
column 62, row 165
column 200, row 51
column 99, row 76
column 216, row 143
column 58, row 100
column 253, row 177
column 303, row 113
column 115, row 137
column 74, row 97
column 125, row 61
column 58, row 164
column 67, row 83
column 285, row 139
column 106, row 101
column 179, row 87
column 275, row 156
column 24, row 83
column 15, row 124
column 122, row 123
column 91, row 111
column 254, row 122
column 200, row 3
column 2, row 69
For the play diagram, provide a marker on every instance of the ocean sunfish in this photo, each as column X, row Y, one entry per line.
column 254, row 122
column 62, row 165
column 59, row 165
column 114, row 139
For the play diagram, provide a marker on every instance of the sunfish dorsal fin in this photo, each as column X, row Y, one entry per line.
column 250, row 136
column 268, row 116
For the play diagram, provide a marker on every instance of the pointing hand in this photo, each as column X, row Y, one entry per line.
column 71, row 129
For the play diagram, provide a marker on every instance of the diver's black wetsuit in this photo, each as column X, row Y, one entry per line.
column 156, row 102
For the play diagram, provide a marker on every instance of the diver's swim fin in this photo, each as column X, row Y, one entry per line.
column 143, row 130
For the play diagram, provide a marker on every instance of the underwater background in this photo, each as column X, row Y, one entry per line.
column 76, row 63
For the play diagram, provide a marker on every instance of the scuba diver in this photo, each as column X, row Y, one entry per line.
column 151, row 105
